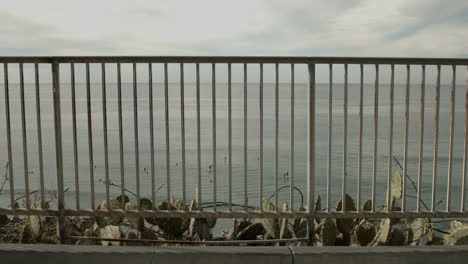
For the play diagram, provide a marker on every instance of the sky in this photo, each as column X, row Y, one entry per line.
column 403, row 28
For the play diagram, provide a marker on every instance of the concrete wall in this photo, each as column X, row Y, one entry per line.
column 68, row 254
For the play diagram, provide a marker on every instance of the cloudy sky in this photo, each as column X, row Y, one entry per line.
column 167, row 27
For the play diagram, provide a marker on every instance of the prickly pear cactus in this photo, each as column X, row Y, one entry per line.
column 284, row 227
column 363, row 233
column 418, row 228
column 300, row 226
column 172, row 227
column 137, row 222
column 327, row 232
column 109, row 220
column 458, row 234
column 345, row 226
column 110, row 231
column 367, row 207
column 270, row 225
column 383, row 234
column 397, row 186
column 397, row 237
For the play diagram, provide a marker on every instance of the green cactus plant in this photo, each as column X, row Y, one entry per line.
column 110, row 231
column 137, row 222
column 172, row 227
column 327, row 230
column 397, row 186
column 345, row 226
column 383, row 234
column 270, row 225
column 284, row 227
column 300, row 226
column 363, row 233
column 397, row 237
column 109, row 220
column 458, row 236
column 418, row 228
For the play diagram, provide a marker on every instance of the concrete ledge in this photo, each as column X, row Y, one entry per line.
column 69, row 254
column 381, row 255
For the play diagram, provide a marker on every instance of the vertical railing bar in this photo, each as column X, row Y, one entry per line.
column 390, row 139
column 436, row 142
column 311, row 154
column 421, row 138
column 405, row 147
column 122, row 172
column 450, row 152
column 90, row 136
column 276, row 134
column 8, row 132
column 135, row 134
column 39, row 135
column 58, row 150
column 182, row 131
column 245, row 138
column 291, row 144
column 213, row 114
column 230, row 135
column 465, row 149
column 199, row 182
column 361, row 102
column 151, row 122
column 376, row 136
column 104, row 128
column 166, row 120
column 330, row 136
column 25, row 143
column 261, row 140
column 345, row 137
column 75, row 136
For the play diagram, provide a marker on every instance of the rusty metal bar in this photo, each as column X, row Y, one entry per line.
column 260, row 184
column 75, row 136
column 361, row 103
column 276, row 171
column 311, row 154
column 421, row 138
column 90, row 136
column 151, row 135
column 436, row 141
column 199, row 181
column 25, row 143
column 213, row 117
column 390, row 140
column 104, row 128
column 135, row 134
column 234, row 59
column 230, row 136
column 450, row 151
column 405, row 144
column 39, row 135
column 345, row 138
column 121, row 152
column 465, row 149
column 182, row 132
column 8, row 134
column 166, row 120
column 291, row 143
column 376, row 136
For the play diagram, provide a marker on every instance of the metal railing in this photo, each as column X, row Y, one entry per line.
column 61, row 211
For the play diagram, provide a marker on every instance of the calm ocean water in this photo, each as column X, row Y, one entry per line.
column 237, row 140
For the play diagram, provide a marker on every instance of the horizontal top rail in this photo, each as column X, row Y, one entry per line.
column 232, row 59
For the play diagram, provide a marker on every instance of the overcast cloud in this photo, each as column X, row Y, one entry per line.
column 312, row 28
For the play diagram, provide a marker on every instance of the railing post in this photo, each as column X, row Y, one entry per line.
column 58, row 151
column 311, row 155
